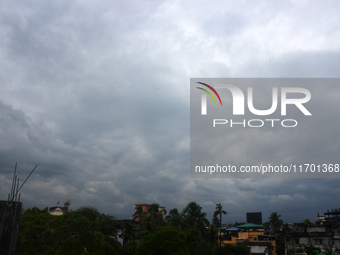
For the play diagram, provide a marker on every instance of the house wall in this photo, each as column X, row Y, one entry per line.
column 251, row 239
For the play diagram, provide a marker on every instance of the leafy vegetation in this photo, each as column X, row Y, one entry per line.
column 87, row 231
column 233, row 250
column 70, row 233
column 167, row 241
column 218, row 223
column 275, row 222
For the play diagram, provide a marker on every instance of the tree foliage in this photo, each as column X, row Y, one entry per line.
column 70, row 233
column 233, row 250
column 280, row 244
column 311, row 249
column 150, row 221
column 104, row 223
column 199, row 244
column 218, row 213
column 128, row 232
column 194, row 216
column 167, row 241
column 275, row 222
column 307, row 223
column 175, row 219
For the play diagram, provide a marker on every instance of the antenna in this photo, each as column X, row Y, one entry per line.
column 13, row 195
column 67, row 202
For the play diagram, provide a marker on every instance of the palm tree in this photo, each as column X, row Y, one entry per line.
column 195, row 217
column 150, row 220
column 104, row 224
column 138, row 213
column 219, row 211
column 175, row 219
column 274, row 221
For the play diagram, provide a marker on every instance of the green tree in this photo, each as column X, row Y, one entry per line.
column 138, row 213
column 156, row 214
column 280, row 244
column 195, row 217
column 90, row 213
column 128, row 232
column 311, row 249
column 105, row 223
column 149, row 221
column 166, row 241
column 218, row 212
column 230, row 249
column 175, row 219
column 275, row 222
column 307, row 223
column 130, row 248
column 199, row 244
column 70, row 233
column 285, row 228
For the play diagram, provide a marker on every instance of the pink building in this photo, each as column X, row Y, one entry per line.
column 145, row 210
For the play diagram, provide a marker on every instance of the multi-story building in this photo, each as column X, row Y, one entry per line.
column 324, row 234
column 252, row 236
column 254, row 217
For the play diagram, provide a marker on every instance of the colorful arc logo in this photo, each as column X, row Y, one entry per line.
column 213, row 90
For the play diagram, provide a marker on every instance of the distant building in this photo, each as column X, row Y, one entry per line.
column 318, row 236
column 145, row 210
column 257, row 240
column 325, row 233
column 254, row 217
column 332, row 216
column 57, row 211
column 60, row 210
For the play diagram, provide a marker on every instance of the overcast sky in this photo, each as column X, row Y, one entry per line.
column 97, row 95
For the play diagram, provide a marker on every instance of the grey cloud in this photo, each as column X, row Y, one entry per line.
column 97, row 94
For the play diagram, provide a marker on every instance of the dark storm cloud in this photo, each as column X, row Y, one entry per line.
column 97, row 94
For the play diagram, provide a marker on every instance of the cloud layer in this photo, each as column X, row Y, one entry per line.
column 97, row 95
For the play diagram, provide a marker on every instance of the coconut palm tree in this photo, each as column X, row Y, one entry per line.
column 194, row 216
column 219, row 211
column 176, row 219
column 274, row 221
